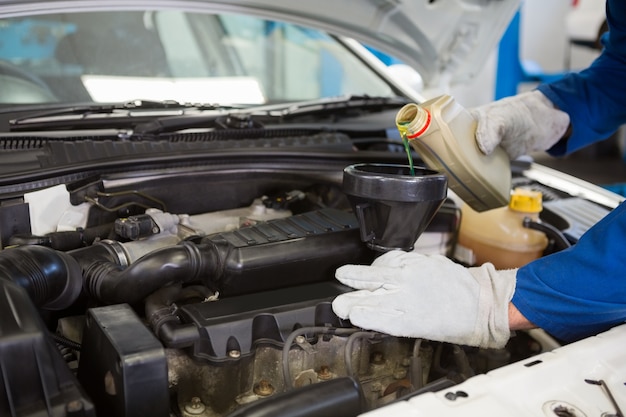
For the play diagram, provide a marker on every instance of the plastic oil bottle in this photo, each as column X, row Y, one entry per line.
column 443, row 134
column 498, row 236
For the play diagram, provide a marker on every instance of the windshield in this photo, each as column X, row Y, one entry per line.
column 174, row 55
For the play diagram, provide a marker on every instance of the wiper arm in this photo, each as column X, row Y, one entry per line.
column 331, row 105
column 109, row 112
column 276, row 113
column 172, row 124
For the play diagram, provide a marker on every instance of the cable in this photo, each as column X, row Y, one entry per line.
column 348, row 348
column 65, row 342
column 416, row 368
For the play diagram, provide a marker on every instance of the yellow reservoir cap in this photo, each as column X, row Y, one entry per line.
column 526, row 201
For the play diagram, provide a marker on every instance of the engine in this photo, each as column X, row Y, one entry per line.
column 144, row 308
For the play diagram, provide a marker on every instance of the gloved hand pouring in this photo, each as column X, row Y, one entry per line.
column 521, row 124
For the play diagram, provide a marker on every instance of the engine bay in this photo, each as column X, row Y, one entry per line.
column 207, row 292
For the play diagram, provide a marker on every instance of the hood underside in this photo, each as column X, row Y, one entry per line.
column 444, row 40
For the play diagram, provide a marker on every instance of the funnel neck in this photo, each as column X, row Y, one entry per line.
column 393, row 207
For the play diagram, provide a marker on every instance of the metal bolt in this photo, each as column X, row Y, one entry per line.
column 452, row 396
column 562, row 411
column 376, row 387
column 324, row 373
column 195, row 406
column 300, row 339
column 399, row 373
column 235, row 354
column 263, row 388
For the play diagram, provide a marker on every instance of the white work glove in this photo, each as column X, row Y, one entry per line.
column 408, row 294
column 520, row 124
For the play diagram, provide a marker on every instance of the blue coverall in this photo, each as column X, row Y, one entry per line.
column 582, row 291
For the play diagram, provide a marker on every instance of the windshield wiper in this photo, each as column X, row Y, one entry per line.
column 275, row 113
column 330, row 105
column 148, row 118
column 110, row 114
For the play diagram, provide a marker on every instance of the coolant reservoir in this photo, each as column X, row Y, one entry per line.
column 498, row 236
column 443, row 134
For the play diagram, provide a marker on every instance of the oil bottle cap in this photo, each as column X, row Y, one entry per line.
column 526, row 201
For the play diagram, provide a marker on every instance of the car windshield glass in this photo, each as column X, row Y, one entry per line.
column 174, row 55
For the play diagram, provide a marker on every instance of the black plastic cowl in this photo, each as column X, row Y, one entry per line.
column 281, row 253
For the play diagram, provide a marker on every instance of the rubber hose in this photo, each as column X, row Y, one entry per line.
column 52, row 279
column 560, row 241
column 184, row 263
column 168, row 327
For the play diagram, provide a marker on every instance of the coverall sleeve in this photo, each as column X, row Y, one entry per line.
column 580, row 291
column 595, row 98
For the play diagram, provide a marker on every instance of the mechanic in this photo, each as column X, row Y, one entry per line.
column 571, row 294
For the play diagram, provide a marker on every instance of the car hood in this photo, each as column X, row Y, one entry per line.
column 446, row 41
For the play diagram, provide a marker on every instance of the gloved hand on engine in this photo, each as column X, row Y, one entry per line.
column 408, row 294
column 520, row 124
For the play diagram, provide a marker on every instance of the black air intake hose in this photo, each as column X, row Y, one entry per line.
column 52, row 279
column 184, row 263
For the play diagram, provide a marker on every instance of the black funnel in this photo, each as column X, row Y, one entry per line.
column 392, row 206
